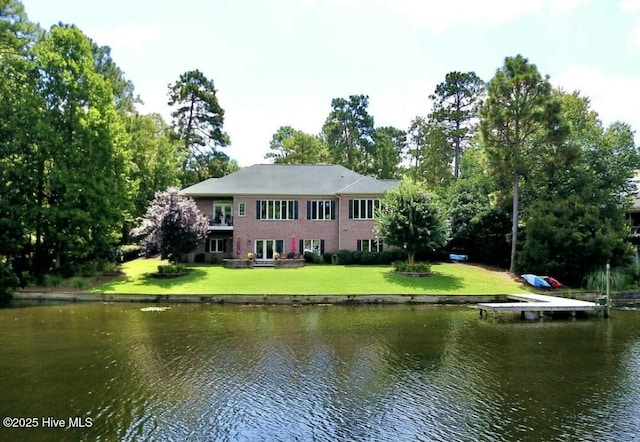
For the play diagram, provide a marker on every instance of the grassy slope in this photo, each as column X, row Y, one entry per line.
column 324, row 279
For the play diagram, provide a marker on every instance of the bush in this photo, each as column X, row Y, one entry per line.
column 52, row 280
column 326, row 257
column 345, row 257
column 312, row 258
column 8, row 281
column 597, row 280
column 79, row 283
column 389, row 256
column 199, row 258
column 405, row 267
column 369, row 258
column 172, row 268
column 129, row 252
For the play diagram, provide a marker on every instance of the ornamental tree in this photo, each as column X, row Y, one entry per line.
column 410, row 218
column 172, row 226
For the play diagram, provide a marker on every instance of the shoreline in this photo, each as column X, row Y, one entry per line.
column 290, row 299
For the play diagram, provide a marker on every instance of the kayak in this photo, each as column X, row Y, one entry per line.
column 536, row 281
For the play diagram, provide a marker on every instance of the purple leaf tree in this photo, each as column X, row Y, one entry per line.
column 172, row 226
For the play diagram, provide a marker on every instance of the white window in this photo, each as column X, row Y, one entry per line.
column 312, row 245
column 222, row 213
column 363, row 209
column 321, row 210
column 277, row 209
column 369, row 245
column 216, row 245
column 242, row 209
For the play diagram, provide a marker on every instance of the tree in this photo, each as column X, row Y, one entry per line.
column 348, row 132
column 291, row 146
column 79, row 215
column 517, row 118
column 156, row 158
column 389, row 145
column 455, row 109
column 409, row 217
column 198, row 120
column 172, row 226
column 17, row 33
column 429, row 153
column 580, row 191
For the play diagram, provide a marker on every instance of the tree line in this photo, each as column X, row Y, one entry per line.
column 526, row 174
column 78, row 163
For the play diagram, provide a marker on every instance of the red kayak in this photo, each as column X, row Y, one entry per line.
column 553, row 282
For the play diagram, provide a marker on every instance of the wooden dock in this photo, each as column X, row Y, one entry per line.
column 539, row 304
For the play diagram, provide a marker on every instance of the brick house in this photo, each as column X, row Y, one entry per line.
column 269, row 208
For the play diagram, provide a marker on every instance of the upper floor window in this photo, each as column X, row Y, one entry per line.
column 363, row 209
column 276, row 209
column 222, row 213
column 242, row 209
column 321, row 210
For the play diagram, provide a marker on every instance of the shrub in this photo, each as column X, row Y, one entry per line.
column 405, row 267
column 52, row 280
column 79, row 283
column 345, row 257
column 369, row 258
column 199, row 258
column 326, row 257
column 389, row 256
column 8, row 281
column 172, row 268
column 597, row 280
column 312, row 258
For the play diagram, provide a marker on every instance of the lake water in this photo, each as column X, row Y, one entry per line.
column 325, row 373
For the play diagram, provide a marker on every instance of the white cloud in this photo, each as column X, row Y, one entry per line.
column 630, row 5
column 613, row 97
column 131, row 36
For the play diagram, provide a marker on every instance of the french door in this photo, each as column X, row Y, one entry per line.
column 265, row 248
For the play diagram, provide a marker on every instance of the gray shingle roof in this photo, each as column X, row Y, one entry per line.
column 290, row 179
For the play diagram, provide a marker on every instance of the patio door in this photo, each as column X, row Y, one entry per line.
column 264, row 248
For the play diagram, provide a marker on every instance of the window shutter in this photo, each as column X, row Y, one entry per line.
column 350, row 209
column 295, row 209
column 308, row 209
column 207, row 245
column 333, row 210
column 359, row 245
column 301, row 247
column 258, row 209
column 279, row 245
column 322, row 247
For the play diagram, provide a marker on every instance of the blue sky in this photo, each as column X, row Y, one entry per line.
column 280, row 62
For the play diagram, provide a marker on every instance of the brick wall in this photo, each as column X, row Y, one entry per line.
column 341, row 233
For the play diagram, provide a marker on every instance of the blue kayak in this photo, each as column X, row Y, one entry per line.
column 536, row 281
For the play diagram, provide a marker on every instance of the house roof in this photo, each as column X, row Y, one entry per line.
column 290, row 179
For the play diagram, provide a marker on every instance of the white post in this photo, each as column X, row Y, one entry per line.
column 608, row 306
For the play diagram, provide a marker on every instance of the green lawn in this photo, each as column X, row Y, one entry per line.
column 312, row 280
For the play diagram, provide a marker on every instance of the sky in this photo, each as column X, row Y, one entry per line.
column 281, row 62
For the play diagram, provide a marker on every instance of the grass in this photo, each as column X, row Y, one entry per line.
column 312, row 280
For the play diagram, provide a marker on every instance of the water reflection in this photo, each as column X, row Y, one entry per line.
column 318, row 373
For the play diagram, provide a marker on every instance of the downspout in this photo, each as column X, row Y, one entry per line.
column 339, row 219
